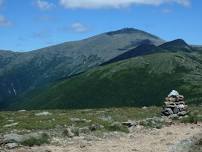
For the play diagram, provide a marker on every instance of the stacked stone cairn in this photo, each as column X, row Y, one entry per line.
column 174, row 105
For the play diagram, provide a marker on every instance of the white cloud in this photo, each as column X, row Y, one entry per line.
column 78, row 27
column 4, row 22
column 44, row 5
column 94, row 4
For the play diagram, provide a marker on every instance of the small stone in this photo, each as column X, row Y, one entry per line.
column 182, row 113
column 167, row 111
column 84, row 130
column 83, row 145
column 174, row 116
column 169, row 133
column 95, row 127
column 144, row 108
column 11, row 145
column 134, row 149
column 45, row 113
column 76, row 120
column 173, row 93
column 67, row 132
column 11, row 125
column 21, row 110
column 129, row 124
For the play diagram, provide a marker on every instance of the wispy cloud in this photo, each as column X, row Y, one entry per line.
column 44, row 5
column 4, row 22
column 79, row 27
column 96, row 4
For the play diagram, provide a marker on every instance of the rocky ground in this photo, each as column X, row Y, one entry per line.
column 105, row 131
column 174, row 138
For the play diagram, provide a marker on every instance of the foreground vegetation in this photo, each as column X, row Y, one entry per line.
column 43, row 120
column 36, row 120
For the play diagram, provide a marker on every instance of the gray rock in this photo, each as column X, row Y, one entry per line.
column 22, row 110
column 106, row 118
column 84, row 130
column 67, row 132
column 167, row 111
column 174, row 116
column 45, row 113
column 144, row 108
column 11, row 145
column 182, row 113
column 129, row 124
column 95, row 127
column 176, row 110
column 13, row 138
column 11, row 125
column 75, row 119
column 182, row 146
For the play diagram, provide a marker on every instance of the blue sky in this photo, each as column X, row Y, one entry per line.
column 31, row 24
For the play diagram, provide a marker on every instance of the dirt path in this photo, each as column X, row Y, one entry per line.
column 156, row 140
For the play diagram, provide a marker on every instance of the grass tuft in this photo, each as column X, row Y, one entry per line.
column 33, row 141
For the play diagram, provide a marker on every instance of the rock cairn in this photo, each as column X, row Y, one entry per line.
column 174, row 105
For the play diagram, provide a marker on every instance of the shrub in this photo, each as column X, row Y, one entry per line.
column 116, row 126
column 192, row 117
column 154, row 122
column 34, row 141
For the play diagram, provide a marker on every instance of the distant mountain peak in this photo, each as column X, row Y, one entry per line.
column 129, row 31
column 176, row 44
column 124, row 30
column 179, row 42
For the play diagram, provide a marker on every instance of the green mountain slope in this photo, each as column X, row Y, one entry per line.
column 139, row 81
column 22, row 72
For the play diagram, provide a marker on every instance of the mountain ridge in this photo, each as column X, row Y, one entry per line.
column 139, row 81
column 49, row 64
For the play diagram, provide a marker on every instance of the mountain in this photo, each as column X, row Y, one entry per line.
column 143, row 49
column 138, row 81
column 22, row 72
column 176, row 45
